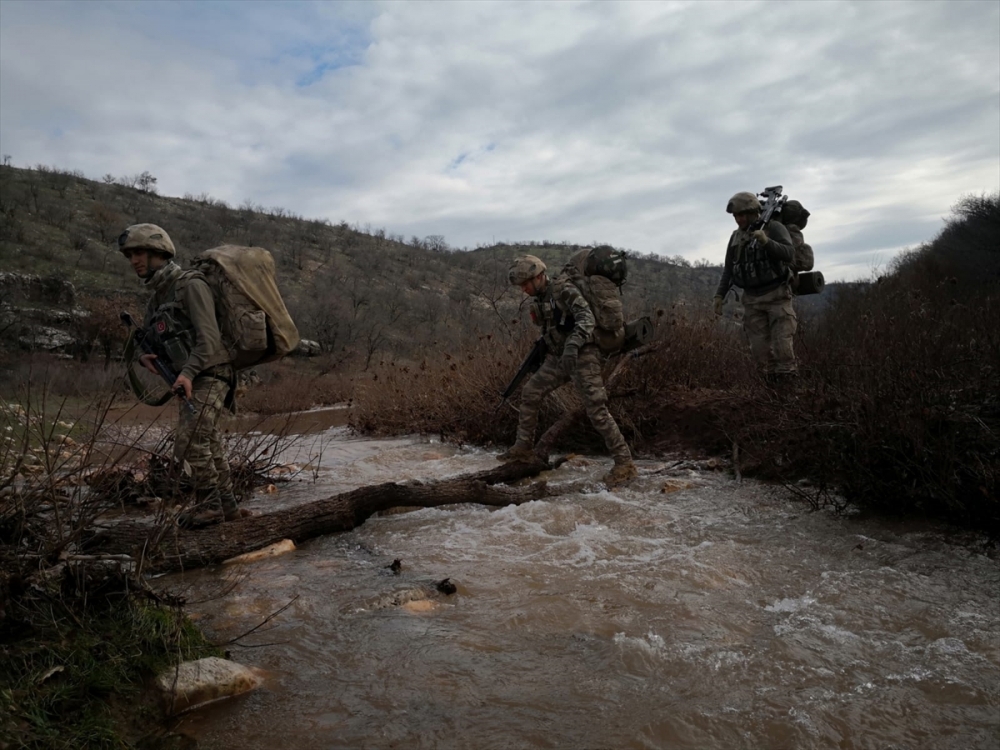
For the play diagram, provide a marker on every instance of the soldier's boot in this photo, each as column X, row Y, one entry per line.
column 519, row 452
column 620, row 473
column 205, row 511
column 231, row 510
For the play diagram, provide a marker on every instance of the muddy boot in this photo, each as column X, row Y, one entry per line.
column 231, row 511
column 519, row 453
column 620, row 473
column 205, row 511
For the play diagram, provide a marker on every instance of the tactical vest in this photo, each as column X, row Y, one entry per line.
column 555, row 324
column 753, row 269
column 170, row 329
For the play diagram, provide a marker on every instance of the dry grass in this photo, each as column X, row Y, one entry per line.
column 455, row 395
column 294, row 386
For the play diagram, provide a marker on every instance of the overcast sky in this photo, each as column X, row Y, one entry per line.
column 626, row 123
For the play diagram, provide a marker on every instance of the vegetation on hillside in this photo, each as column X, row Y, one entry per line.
column 394, row 298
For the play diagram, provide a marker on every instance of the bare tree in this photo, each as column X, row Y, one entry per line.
column 373, row 338
column 146, row 182
column 436, row 243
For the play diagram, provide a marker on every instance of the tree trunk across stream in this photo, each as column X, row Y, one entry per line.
column 176, row 549
column 180, row 550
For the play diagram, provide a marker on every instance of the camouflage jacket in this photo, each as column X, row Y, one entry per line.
column 761, row 270
column 564, row 315
column 181, row 313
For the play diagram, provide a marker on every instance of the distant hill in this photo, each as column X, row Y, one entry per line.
column 358, row 293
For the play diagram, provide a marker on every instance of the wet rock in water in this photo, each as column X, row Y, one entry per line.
column 395, row 566
column 195, row 683
column 446, row 587
column 271, row 550
column 676, row 485
column 419, row 598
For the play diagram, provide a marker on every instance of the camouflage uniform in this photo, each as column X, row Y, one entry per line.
column 181, row 314
column 768, row 316
column 197, row 439
column 568, row 323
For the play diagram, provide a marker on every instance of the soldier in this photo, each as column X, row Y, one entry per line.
column 567, row 324
column 181, row 315
column 762, row 270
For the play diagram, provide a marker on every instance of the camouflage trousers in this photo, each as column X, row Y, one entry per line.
column 589, row 385
column 198, row 441
column 770, row 323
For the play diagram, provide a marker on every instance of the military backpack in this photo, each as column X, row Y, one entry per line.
column 599, row 273
column 253, row 320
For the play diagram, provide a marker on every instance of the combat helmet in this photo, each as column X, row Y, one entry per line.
column 742, row 202
column 525, row 268
column 146, row 237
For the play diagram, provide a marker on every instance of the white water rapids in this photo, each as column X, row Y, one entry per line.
column 684, row 611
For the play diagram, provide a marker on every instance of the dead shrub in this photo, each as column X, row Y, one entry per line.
column 452, row 393
column 288, row 387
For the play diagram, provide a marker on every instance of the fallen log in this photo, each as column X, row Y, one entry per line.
column 165, row 548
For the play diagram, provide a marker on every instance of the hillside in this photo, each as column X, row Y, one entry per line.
column 357, row 292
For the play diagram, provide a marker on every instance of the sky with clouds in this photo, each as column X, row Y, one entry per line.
column 630, row 123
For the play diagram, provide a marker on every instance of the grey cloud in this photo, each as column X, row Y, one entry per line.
column 628, row 123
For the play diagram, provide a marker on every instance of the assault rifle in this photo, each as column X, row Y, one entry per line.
column 531, row 364
column 773, row 201
column 141, row 338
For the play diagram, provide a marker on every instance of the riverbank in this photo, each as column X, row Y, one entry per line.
column 77, row 656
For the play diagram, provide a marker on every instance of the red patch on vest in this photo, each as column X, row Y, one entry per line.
column 161, row 327
column 534, row 318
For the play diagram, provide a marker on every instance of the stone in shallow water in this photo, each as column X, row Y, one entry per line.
column 195, row 683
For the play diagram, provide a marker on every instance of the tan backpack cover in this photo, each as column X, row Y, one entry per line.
column 253, row 320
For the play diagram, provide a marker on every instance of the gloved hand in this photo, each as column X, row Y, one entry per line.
column 568, row 360
column 717, row 305
column 761, row 236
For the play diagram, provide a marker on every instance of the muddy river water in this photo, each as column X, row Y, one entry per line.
column 685, row 611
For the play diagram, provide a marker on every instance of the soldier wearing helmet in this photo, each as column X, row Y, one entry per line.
column 567, row 324
column 180, row 317
column 759, row 261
